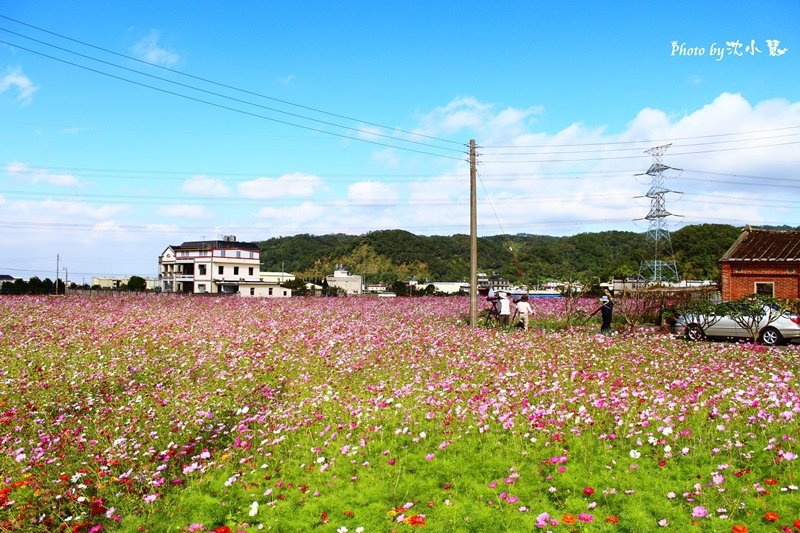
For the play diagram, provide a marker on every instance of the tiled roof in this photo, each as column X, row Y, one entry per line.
column 764, row 245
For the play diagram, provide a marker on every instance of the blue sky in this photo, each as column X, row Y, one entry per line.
column 129, row 126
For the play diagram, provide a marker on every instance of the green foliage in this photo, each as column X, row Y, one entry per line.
column 753, row 313
column 388, row 255
column 137, row 283
column 33, row 286
column 399, row 288
column 297, row 285
column 699, row 248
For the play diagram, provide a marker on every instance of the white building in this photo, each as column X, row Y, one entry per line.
column 115, row 282
column 224, row 266
column 350, row 283
column 276, row 277
column 446, row 287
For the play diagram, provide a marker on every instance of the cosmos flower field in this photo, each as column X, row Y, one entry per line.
column 168, row 413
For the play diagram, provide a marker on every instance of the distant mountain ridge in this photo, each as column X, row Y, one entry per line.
column 389, row 255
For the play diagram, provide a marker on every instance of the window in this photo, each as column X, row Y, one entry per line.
column 238, row 253
column 201, row 288
column 252, row 291
column 270, row 291
column 220, row 270
column 250, row 271
column 764, row 288
column 201, row 270
column 235, row 271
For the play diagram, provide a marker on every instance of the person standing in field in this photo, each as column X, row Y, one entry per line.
column 524, row 310
column 505, row 309
column 606, row 313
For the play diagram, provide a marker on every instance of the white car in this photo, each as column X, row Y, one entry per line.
column 774, row 327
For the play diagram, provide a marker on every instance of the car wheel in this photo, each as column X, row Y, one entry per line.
column 694, row 333
column 771, row 336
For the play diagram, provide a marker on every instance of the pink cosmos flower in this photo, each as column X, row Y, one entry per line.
column 699, row 512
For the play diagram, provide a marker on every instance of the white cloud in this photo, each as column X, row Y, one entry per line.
column 387, row 158
column 373, row 192
column 27, row 174
column 148, row 49
column 294, row 217
column 295, row 185
column 205, row 186
column 469, row 113
column 183, row 211
column 163, row 228
column 107, row 226
column 14, row 78
column 580, row 179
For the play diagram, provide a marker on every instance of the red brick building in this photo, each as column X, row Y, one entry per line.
column 762, row 262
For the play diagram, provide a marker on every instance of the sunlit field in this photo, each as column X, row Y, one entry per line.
column 168, row 413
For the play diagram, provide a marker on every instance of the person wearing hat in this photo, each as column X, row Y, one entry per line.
column 505, row 309
column 606, row 312
column 524, row 311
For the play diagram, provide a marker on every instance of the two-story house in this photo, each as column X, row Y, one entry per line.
column 224, row 266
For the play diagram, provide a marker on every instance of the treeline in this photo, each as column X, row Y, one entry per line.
column 36, row 285
column 389, row 255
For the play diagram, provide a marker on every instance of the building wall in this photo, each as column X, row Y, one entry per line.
column 351, row 284
column 262, row 290
column 739, row 278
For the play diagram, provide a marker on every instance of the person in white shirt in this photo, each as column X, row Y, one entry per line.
column 505, row 309
column 524, row 310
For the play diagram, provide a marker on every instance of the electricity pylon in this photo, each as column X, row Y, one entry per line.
column 662, row 266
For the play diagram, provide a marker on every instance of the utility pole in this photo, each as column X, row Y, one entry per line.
column 473, row 237
column 57, row 267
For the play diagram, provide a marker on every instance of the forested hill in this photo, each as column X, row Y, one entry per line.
column 389, row 255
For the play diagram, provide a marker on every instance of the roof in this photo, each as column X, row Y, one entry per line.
column 764, row 245
column 6, row 277
column 216, row 245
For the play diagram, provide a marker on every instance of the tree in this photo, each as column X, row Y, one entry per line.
column 638, row 305
column 754, row 313
column 399, row 288
column 572, row 293
column 137, row 283
column 698, row 312
column 297, row 285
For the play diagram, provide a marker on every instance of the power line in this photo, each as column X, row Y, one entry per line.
column 573, row 160
column 229, row 108
column 635, row 149
column 226, row 86
column 212, row 93
column 645, row 141
column 181, row 175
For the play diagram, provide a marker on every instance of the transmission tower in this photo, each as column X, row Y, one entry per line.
column 661, row 267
